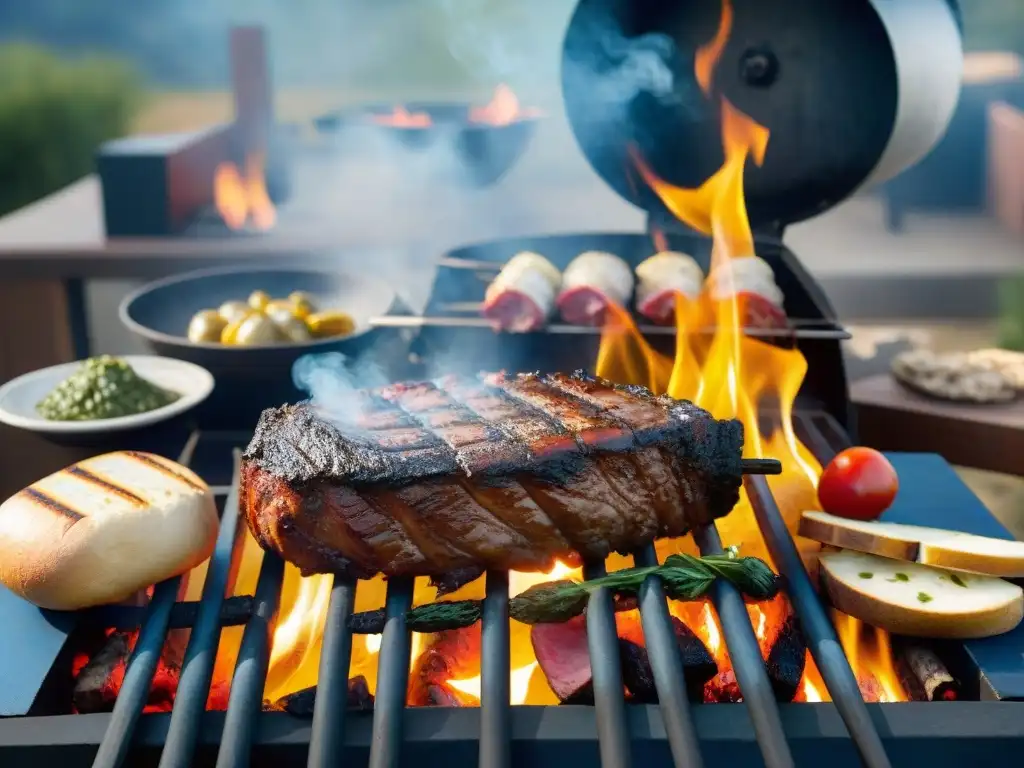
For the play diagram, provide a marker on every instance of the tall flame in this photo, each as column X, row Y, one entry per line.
column 727, row 372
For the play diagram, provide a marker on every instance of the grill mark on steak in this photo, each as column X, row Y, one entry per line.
column 600, row 439
column 563, row 482
column 496, row 512
column 669, row 476
column 484, row 477
column 477, row 440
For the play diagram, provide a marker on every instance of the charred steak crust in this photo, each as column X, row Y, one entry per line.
column 502, row 472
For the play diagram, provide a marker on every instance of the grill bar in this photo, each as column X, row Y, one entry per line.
column 392, row 677
column 495, row 668
column 821, row 636
column 606, row 672
column 197, row 669
column 246, row 697
column 663, row 653
column 138, row 678
column 747, row 663
column 327, row 739
column 829, row 331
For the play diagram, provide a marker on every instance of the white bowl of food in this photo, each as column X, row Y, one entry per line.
column 103, row 394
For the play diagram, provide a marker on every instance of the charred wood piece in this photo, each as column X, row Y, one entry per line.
column 301, row 703
column 923, row 674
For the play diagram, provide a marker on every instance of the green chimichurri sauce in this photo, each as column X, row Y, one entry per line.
column 103, row 388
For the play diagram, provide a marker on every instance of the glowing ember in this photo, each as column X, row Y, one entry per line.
column 502, row 109
column 242, row 199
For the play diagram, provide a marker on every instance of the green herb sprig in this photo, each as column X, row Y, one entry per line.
column 683, row 577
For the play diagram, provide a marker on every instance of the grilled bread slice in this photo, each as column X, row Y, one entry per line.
column 929, row 546
column 100, row 530
column 918, row 600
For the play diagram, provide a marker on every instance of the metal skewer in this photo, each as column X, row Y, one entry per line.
column 760, row 466
column 475, row 307
column 398, row 321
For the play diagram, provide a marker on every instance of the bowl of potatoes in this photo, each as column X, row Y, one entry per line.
column 256, row 321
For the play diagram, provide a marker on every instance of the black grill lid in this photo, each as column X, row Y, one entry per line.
column 821, row 76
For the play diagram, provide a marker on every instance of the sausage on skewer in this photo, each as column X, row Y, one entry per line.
column 522, row 296
column 592, row 282
column 663, row 277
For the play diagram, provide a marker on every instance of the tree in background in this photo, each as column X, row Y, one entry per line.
column 53, row 114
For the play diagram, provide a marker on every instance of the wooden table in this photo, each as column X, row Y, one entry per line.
column 890, row 418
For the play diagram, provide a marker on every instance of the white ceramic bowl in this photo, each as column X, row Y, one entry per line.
column 18, row 397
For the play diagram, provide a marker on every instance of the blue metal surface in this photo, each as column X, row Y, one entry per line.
column 30, row 644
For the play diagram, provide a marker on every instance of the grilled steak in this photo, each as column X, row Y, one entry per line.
column 501, row 472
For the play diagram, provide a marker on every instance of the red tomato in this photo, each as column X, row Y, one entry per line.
column 858, row 484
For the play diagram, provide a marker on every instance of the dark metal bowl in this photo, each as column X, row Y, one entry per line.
column 485, row 152
column 252, row 378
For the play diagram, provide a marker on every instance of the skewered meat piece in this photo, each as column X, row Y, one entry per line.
column 500, row 472
column 522, row 296
column 591, row 282
column 751, row 280
column 660, row 279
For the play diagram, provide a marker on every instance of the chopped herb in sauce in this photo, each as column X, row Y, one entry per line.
column 924, row 597
column 957, row 580
column 103, row 388
column 899, row 577
column 866, row 575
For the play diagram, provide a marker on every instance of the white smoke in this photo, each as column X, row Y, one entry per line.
column 333, row 381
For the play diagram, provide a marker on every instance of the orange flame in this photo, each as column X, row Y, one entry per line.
column 242, row 200
column 870, row 655
column 502, row 109
column 400, row 117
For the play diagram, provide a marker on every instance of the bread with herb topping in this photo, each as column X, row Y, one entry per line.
column 918, row 600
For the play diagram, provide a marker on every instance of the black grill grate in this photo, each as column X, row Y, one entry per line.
column 326, row 742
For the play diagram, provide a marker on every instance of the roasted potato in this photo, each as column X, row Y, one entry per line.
column 303, row 304
column 233, row 310
column 252, row 330
column 278, row 307
column 258, row 300
column 330, row 324
column 206, row 326
column 291, row 327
